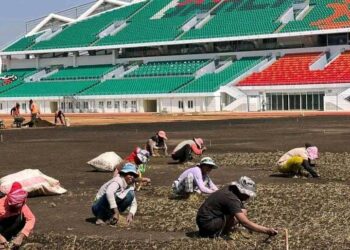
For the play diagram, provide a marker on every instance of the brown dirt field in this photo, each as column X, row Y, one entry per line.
column 241, row 146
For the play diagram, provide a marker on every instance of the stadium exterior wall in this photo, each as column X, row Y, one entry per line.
column 116, row 104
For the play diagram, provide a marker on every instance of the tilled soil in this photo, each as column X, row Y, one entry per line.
column 315, row 211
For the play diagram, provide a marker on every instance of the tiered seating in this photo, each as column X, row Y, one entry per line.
column 142, row 29
column 84, row 33
column 287, row 70
column 168, row 68
column 23, row 43
column 20, row 73
column 212, row 82
column 321, row 17
column 132, row 86
column 81, row 73
column 243, row 18
column 294, row 70
column 42, row 89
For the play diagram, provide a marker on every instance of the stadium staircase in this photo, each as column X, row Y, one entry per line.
column 212, row 82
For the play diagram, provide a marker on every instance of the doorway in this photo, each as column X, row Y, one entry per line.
column 53, row 107
column 150, row 105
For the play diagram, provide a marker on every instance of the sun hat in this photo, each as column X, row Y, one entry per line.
column 312, row 152
column 199, row 141
column 129, row 168
column 143, row 155
column 245, row 185
column 162, row 134
column 208, row 161
column 17, row 195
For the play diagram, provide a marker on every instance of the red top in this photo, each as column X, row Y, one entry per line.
column 27, row 213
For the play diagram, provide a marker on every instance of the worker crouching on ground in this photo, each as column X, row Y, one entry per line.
column 116, row 196
column 16, row 114
column 196, row 179
column 157, row 143
column 183, row 151
column 294, row 161
column 16, row 219
column 223, row 210
column 59, row 115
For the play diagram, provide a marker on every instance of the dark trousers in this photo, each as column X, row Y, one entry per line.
column 212, row 228
column 18, row 121
column 60, row 118
column 308, row 167
column 102, row 210
column 184, row 154
column 11, row 226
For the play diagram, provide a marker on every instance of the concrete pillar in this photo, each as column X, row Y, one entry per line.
column 75, row 58
column 114, row 57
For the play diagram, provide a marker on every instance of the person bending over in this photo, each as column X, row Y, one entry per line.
column 157, row 143
column 297, row 159
column 16, row 219
column 183, row 151
column 196, row 179
column 223, row 210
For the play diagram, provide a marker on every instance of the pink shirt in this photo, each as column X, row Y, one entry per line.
column 28, row 215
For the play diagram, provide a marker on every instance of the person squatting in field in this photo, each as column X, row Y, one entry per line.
column 196, row 179
column 157, row 143
column 297, row 159
column 16, row 114
column 223, row 210
column 59, row 115
column 16, row 219
column 183, row 151
column 116, row 196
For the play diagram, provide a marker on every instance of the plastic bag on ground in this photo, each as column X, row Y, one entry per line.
column 34, row 182
column 106, row 162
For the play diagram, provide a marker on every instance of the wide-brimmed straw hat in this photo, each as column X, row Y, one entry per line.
column 208, row 161
column 246, row 186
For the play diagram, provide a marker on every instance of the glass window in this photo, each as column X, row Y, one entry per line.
column 190, row 104
column 77, row 105
column 24, row 106
column 63, row 105
column 0, row 106
column 101, row 105
column 309, row 102
column 125, row 104
column 70, row 105
column 109, row 104
column 181, row 104
column 116, row 104
column 133, row 104
column 86, row 105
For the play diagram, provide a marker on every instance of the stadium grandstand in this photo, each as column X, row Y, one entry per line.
column 184, row 56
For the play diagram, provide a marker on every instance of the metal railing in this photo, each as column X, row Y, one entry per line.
column 73, row 12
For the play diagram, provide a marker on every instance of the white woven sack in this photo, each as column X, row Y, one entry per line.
column 33, row 181
column 105, row 162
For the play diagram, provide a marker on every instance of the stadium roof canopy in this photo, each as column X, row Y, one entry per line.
column 175, row 22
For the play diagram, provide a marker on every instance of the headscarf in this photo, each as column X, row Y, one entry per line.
column 17, row 195
column 312, row 152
